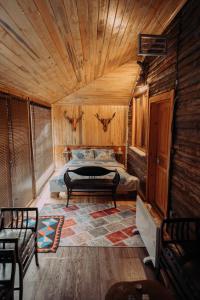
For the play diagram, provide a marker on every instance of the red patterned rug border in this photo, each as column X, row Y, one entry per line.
column 57, row 234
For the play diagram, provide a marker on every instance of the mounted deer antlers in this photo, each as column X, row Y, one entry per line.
column 73, row 121
column 105, row 122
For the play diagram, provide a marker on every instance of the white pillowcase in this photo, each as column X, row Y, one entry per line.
column 104, row 154
column 85, row 154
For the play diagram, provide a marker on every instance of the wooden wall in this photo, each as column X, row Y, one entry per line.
column 136, row 163
column 182, row 65
column 89, row 131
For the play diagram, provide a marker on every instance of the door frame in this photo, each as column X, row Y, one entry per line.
column 152, row 100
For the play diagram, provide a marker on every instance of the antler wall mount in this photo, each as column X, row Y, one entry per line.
column 73, row 121
column 105, row 122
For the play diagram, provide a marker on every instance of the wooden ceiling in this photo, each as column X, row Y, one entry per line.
column 113, row 88
column 51, row 48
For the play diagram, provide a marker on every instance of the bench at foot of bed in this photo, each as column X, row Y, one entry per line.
column 93, row 183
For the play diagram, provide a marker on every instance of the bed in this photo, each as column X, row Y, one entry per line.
column 94, row 157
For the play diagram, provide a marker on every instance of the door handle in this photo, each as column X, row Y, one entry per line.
column 158, row 160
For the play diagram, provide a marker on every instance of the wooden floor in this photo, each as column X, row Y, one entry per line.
column 82, row 273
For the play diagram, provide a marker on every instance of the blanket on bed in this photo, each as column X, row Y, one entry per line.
column 127, row 181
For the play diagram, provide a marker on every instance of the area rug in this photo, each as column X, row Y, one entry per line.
column 49, row 231
column 97, row 225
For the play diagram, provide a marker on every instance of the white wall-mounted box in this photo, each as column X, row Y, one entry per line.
column 148, row 225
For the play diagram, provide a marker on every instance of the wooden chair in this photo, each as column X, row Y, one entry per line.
column 93, row 183
column 18, row 231
column 7, row 274
column 179, row 256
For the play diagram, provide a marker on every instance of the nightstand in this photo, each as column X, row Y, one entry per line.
column 119, row 156
column 66, row 155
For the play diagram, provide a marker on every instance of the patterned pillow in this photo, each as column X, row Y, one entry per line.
column 104, row 154
column 85, row 154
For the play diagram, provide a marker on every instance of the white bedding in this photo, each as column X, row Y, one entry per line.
column 127, row 182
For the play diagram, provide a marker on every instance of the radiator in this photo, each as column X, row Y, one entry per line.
column 149, row 229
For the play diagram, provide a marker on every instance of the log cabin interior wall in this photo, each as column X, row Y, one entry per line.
column 181, row 66
column 89, row 130
column 136, row 160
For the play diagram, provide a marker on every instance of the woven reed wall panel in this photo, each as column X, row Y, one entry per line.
column 42, row 144
column 5, row 184
column 21, row 171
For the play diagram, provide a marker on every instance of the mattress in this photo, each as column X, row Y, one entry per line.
column 127, row 181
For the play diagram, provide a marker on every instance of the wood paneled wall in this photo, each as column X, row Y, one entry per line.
column 89, row 131
column 182, row 63
column 136, row 163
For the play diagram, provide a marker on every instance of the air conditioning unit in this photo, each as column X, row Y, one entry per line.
column 152, row 45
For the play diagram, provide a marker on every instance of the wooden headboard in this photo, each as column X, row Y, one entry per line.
column 116, row 149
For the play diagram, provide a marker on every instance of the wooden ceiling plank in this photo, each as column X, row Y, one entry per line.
column 72, row 15
column 6, row 89
column 20, row 33
column 28, row 61
column 20, row 84
column 93, row 21
column 108, row 33
column 111, row 62
column 127, row 14
column 114, row 87
column 10, row 27
column 56, row 47
column 49, row 19
column 101, row 27
column 34, row 16
column 82, row 9
column 152, row 24
column 138, row 16
column 64, row 29
column 9, row 59
column 20, row 26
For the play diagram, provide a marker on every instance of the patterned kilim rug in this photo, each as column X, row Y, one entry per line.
column 97, row 225
column 49, row 230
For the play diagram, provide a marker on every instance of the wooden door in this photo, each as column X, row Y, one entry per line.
column 159, row 143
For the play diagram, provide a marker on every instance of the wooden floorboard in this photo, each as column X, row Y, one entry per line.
column 82, row 273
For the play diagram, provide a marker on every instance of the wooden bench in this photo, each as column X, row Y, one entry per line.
column 94, row 183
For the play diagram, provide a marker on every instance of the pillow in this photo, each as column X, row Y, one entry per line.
column 104, row 154
column 85, row 154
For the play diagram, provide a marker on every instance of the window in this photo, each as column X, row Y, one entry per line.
column 140, row 114
column 42, row 144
